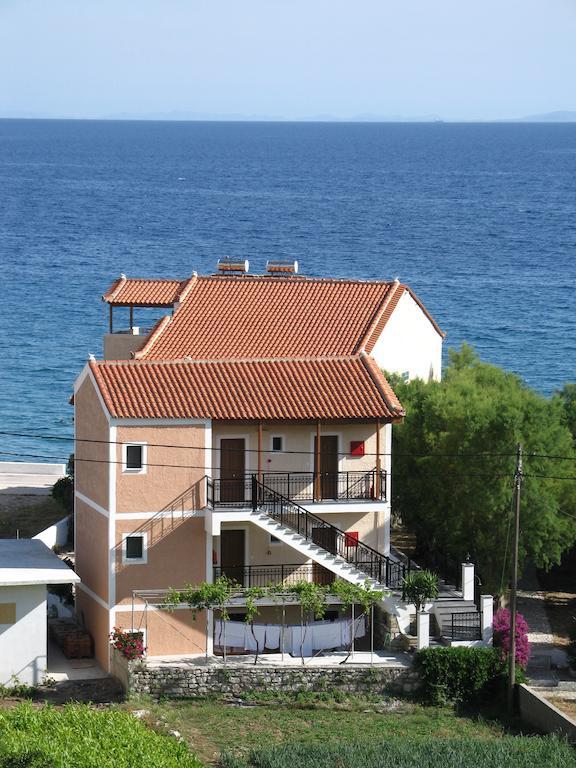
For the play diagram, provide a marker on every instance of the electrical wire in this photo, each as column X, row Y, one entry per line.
column 65, row 438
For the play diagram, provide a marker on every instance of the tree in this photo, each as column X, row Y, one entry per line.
column 420, row 587
column 566, row 397
column 454, row 463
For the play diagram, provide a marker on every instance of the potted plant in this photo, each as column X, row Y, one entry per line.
column 420, row 587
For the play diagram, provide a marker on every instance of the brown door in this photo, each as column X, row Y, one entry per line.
column 328, row 466
column 232, row 554
column 325, row 538
column 232, row 469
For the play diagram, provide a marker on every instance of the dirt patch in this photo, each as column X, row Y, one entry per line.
column 568, row 706
column 25, row 515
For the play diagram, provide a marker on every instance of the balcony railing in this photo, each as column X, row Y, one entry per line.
column 330, row 538
column 368, row 485
column 274, row 575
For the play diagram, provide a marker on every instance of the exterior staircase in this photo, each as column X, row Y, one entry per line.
column 458, row 620
column 357, row 563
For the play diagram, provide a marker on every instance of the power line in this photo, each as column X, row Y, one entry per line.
column 483, row 475
column 254, row 450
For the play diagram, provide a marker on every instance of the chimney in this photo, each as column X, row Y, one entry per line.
column 282, row 267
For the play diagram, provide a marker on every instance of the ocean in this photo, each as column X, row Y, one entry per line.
column 480, row 219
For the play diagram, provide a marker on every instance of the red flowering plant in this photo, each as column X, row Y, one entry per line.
column 130, row 644
column 501, row 626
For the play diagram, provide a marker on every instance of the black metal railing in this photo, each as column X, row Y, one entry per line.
column 274, row 575
column 303, row 486
column 465, row 626
column 233, row 492
column 328, row 486
column 374, row 564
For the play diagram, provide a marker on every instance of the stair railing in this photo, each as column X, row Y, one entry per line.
column 374, row 564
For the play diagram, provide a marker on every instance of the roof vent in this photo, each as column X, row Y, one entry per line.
column 282, row 267
column 233, row 265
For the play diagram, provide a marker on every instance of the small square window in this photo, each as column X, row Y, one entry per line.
column 134, row 550
column 405, row 376
column 133, row 457
column 277, row 444
column 274, row 539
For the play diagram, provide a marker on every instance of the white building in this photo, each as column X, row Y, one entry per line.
column 26, row 568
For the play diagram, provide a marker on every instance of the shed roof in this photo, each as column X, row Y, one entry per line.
column 29, row 561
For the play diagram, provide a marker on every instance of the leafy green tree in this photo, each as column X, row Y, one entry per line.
column 567, row 399
column 454, row 464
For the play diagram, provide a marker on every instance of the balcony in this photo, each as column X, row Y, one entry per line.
column 354, row 486
column 274, row 575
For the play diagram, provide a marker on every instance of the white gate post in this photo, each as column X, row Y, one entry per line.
column 467, row 581
column 486, row 617
column 422, row 630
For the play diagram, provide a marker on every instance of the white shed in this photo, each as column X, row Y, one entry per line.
column 27, row 566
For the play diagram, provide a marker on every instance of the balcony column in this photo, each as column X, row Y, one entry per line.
column 378, row 479
column 131, row 318
column 110, row 319
column 260, row 452
column 317, row 479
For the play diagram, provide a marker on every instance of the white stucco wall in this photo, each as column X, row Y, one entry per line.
column 23, row 644
column 410, row 343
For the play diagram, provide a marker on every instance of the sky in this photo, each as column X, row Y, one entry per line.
column 290, row 59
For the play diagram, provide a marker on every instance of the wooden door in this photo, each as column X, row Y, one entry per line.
column 325, row 538
column 232, row 549
column 328, row 465
column 232, row 470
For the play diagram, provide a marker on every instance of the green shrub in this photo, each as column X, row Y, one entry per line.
column 428, row 752
column 458, row 674
column 79, row 736
column 63, row 491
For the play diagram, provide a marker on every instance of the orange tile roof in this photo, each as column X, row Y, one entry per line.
column 249, row 316
column 146, row 292
column 296, row 389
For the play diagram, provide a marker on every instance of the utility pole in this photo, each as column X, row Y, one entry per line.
column 514, row 587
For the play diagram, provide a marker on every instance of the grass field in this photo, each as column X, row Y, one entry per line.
column 212, row 727
column 78, row 736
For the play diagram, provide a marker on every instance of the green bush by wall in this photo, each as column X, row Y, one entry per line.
column 458, row 674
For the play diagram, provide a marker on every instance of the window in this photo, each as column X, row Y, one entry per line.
column 134, row 457
column 277, row 443
column 274, row 540
column 134, row 548
column 7, row 613
column 405, row 376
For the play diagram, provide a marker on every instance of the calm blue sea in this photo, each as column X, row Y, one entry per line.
column 479, row 219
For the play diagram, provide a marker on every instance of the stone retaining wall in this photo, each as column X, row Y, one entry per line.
column 178, row 682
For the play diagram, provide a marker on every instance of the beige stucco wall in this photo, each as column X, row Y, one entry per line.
column 91, row 532
column 168, row 632
column 174, row 558
column 300, row 438
column 91, row 476
column 96, row 620
column 121, row 346
column 171, row 472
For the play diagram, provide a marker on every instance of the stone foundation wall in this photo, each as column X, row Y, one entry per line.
column 175, row 682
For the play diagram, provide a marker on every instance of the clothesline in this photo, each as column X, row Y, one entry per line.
column 293, row 639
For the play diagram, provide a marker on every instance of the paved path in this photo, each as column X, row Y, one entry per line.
column 532, row 605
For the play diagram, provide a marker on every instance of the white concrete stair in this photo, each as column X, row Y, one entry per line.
column 391, row 602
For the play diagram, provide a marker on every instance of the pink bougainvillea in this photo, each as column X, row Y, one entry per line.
column 129, row 644
column 501, row 626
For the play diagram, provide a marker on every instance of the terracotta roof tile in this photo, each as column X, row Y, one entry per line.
column 228, row 317
column 328, row 388
column 146, row 292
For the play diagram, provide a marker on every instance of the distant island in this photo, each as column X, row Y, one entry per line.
column 560, row 116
